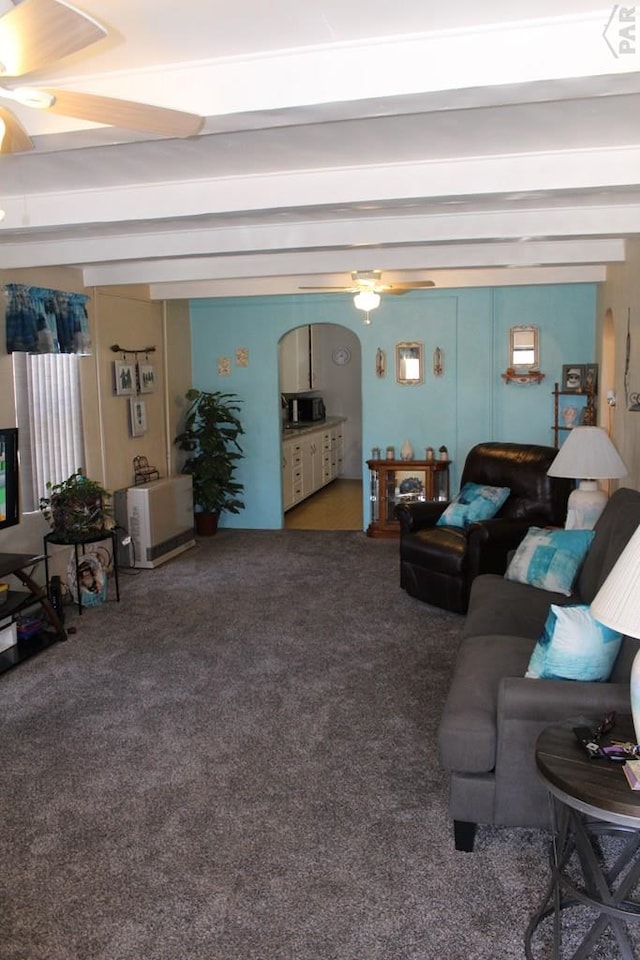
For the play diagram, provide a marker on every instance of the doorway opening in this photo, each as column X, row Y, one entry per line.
column 322, row 360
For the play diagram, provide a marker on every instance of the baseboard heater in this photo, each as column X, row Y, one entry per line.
column 158, row 516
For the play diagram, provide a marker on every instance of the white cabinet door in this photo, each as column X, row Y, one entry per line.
column 315, row 354
column 292, row 491
column 295, row 362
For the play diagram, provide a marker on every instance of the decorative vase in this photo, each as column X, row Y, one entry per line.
column 406, row 451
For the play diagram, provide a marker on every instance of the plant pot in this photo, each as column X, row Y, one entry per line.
column 206, row 523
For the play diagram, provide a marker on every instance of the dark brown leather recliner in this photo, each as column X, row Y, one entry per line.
column 439, row 563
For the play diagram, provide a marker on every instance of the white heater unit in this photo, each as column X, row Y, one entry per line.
column 159, row 520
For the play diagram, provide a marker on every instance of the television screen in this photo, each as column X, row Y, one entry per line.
column 9, row 499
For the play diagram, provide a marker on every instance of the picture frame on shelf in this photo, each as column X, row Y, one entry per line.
column 146, row 377
column 573, row 377
column 124, row 378
column 137, row 417
column 591, row 378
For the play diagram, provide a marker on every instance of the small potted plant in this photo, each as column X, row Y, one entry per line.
column 210, row 437
column 76, row 508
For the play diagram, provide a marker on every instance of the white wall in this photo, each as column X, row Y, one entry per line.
column 621, row 295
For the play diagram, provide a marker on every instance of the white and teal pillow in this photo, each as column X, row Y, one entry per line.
column 475, row 501
column 574, row 646
column 550, row 559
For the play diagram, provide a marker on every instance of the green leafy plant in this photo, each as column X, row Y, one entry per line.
column 210, row 437
column 76, row 507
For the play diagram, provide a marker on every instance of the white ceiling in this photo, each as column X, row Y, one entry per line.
column 462, row 143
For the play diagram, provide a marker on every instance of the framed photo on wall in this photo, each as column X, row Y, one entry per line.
column 146, row 377
column 124, row 378
column 137, row 417
column 573, row 375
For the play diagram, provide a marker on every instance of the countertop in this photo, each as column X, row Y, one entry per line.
column 290, row 433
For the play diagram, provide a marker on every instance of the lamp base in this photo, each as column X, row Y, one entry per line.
column 585, row 505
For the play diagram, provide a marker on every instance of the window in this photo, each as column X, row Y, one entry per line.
column 49, row 414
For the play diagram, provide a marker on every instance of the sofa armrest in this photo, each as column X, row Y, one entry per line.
column 419, row 515
column 523, row 700
column 489, row 543
column 525, row 708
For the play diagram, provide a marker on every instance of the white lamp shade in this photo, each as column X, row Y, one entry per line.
column 617, row 603
column 367, row 300
column 588, row 454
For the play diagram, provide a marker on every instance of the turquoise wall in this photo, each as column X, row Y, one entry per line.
column 469, row 403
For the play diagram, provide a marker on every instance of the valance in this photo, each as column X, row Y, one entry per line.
column 46, row 321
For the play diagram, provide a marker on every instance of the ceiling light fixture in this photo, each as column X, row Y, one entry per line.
column 31, row 97
column 366, row 301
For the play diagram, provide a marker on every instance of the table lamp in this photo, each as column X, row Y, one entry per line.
column 587, row 455
column 617, row 605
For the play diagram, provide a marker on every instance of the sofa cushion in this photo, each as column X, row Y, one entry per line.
column 613, row 530
column 574, row 646
column 467, row 734
column 503, row 606
column 475, row 502
column 550, row 559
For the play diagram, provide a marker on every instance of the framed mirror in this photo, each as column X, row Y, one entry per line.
column 523, row 348
column 524, row 356
column 409, row 362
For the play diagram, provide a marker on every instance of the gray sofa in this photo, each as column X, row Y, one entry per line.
column 493, row 714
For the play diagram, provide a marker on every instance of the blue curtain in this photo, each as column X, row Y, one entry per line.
column 46, row 321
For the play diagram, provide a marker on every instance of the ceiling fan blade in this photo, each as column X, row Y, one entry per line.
column 39, row 32
column 400, row 288
column 15, row 138
column 334, row 289
column 124, row 113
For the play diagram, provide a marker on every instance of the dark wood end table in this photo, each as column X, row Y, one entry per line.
column 590, row 800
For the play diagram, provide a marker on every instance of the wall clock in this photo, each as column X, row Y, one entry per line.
column 341, row 355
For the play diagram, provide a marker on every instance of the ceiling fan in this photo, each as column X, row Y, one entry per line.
column 36, row 34
column 370, row 281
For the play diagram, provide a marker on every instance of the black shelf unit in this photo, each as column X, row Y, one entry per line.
column 52, row 631
column 590, row 406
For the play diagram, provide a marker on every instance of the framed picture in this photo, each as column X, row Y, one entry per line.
column 124, row 378
column 137, row 417
column 146, row 377
column 591, row 378
column 573, row 376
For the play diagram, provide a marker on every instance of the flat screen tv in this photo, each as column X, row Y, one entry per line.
column 9, row 497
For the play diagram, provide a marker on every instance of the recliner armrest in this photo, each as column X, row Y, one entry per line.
column 419, row 514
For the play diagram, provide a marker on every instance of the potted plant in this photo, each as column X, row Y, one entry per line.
column 76, row 508
column 210, row 437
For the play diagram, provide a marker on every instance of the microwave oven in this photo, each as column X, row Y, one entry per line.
column 309, row 409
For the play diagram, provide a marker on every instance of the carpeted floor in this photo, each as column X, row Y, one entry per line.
column 237, row 762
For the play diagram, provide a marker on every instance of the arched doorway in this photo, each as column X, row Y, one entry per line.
column 335, row 375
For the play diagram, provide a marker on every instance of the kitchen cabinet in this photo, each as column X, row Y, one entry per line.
column 310, row 460
column 291, row 473
column 299, row 360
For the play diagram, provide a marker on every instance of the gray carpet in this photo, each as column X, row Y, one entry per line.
column 237, row 762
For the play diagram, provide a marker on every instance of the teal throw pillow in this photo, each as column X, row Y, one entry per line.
column 550, row 559
column 475, row 501
column 574, row 646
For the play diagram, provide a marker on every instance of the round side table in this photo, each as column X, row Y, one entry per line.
column 79, row 544
column 590, row 800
